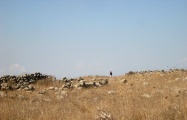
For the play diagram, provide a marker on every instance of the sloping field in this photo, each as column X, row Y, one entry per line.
column 150, row 95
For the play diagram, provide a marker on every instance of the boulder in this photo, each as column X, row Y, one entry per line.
column 81, row 83
column 97, row 84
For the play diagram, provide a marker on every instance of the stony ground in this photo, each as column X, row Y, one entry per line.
column 146, row 95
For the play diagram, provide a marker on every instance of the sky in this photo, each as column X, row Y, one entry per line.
column 72, row 38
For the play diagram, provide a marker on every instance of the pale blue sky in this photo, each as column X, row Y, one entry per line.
column 91, row 37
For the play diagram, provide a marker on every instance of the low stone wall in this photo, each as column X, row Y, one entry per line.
column 9, row 82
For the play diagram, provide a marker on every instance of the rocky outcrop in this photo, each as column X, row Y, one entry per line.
column 87, row 83
column 83, row 82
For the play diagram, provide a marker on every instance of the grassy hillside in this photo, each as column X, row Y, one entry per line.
column 151, row 95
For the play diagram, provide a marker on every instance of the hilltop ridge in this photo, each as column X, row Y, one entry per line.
column 135, row 95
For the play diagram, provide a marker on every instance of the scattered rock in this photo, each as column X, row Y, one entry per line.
column 160, row 91
column 51, row 88
column 3, row 94
column 177, row 79
column 111, row 92
column 12, row 96
column 146, row 95
column 56, row 88
column 129, row 91
column 21, row 97
column 103, row 115
column 60, row 88
column 64, row 93
column 146, row 84
column 26, row 89
column 61, row 94
column 185, row 78
column 59, row 97
column 161, row 75
column 42, row 92
column 31, row 87
column 47, row 100
column 123, row 81
column 176, row 90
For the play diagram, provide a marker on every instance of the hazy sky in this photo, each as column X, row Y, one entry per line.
column 91, row 37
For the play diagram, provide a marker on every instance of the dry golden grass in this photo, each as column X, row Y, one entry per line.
column 149, row 96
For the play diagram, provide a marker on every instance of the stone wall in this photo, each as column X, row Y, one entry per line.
column 9, row 82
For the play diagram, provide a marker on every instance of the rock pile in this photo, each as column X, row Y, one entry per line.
column 9, row 82
column 83, row 83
